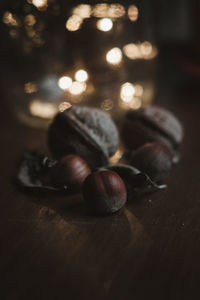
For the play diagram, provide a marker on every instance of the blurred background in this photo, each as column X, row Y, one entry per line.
column 116, row 55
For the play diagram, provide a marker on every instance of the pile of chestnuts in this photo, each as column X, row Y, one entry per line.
column 82, row 140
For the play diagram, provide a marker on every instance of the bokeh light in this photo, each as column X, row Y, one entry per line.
column 114, row 56
column 74, row 23
column 116, row 157
column 83, row 11
column 30, row 87
column 133, row 13
column 40, row 4
column 81, row 76
column 127, row 92
column 143, row 50
column 30, row 20
column 10, row 19
column 77, row 88
column 64, row 82
column 100, row 10
column 105, row 24
column 42, row 109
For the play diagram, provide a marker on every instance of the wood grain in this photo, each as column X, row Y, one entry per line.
column 50, row 249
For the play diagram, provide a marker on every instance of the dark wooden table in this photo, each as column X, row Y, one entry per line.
column 150, row 250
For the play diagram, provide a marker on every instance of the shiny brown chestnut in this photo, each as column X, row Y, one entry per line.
column 71, row 170
column 154, row 159
column 104, row 192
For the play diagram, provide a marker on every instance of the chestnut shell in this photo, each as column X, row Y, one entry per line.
column 87, row 132
column 104, row 192
column 154, row 159
column 71, row 170
column 149, row 124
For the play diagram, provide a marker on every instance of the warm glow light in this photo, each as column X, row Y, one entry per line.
column 144, row 50
column 132, row 51
column 107, row 104
column 39, row 3
column 135, row 103
column 116, row 11
column 116, row 157
column 42, row 109
column 83, row 11
column 10, row 19
column 30, row 87
column 74, row 23
column 127, row 92
column 105, row 24
column 104, row 10
column 14, row 33
column 133, row 13
column 30, row 32
column 114, row 56
column 100, row 10
column 138, row 90
column 64, row 82
column 81, row 76
column 77, row 88
column 30, row 20
column 63, row 106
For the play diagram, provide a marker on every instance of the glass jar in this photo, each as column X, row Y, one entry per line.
column 59, row 54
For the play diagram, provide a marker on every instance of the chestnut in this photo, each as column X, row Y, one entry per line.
column 151, row 124
column 104, row 192
column 70, row 171
column 154, row 159
column 87, row 132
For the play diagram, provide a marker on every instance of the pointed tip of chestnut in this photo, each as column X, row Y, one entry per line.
column 155, row 159
column 71, row 170
column 104, row 192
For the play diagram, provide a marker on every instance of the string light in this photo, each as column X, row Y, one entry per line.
column 14, row 33
column 40, row 3
column 30, row 20
column 81, row 76
column 133, row 13
column 116, row 11
column 41, row 109
column 105, row 24
column 114, row 56
column 74, row 23
column 30, row 87
column 83, row 11
column 139, row 90
column 77, row 88
column 100, row 10
column 135, row 103
column 143, row 50
column 127, row 92
column 10, row 19
column 65, row 82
